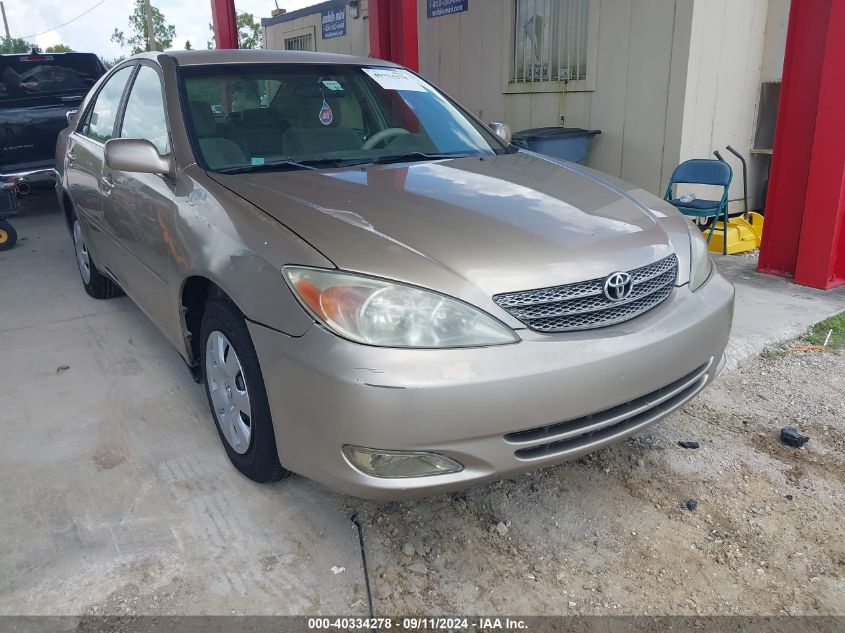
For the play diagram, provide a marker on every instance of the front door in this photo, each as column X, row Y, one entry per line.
column 139, row 209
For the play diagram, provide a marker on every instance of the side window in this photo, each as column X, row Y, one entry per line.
column 144, row 116
column 99, row 121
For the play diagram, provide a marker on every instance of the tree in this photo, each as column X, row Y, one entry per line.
column 59, row 48
column 249, row 32
column 188, row 46
column 138, row 38
column 15, row 45
column 113, row 62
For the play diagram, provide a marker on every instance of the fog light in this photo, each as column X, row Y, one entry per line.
column 399, row 464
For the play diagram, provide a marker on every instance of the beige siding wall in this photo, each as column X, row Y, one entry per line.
column 774, row 44
column 723, row 82
column 668, row 79
column 636, row 87
column 355, row 42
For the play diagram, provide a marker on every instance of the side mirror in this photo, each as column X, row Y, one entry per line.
column 502, row 130
column 70, row 115
column 136, row 155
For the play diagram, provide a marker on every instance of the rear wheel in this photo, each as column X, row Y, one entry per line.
column 96, row 283
column 236, row 393
column 8, row 236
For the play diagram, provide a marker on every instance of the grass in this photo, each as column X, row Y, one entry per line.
column 772, row 353
column 818, row 333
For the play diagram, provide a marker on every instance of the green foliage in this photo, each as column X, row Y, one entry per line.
column 113, row 62
column 818, row 333
column 137, row 38
column 249, row 32
column 59, row 48
column 15, row 45
column 188, row 46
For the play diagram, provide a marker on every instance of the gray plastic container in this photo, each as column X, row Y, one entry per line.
column 568, row 143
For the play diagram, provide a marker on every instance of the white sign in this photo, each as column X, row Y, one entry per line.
column 395, row 79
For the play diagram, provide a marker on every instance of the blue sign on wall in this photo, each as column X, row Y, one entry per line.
column 436, row 8
column 333, row 22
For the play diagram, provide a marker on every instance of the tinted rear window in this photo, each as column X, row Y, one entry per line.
column 24, row 76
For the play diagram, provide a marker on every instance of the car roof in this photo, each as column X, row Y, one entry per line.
column 259, row 56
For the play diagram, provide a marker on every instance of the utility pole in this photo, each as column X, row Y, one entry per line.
column 5, row 22
column 151, row 38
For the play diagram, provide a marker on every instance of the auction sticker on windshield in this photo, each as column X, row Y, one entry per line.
column 395, row 79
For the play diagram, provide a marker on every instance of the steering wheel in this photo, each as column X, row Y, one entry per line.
column 383, row 135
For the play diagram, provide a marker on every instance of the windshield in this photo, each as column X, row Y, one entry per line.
column 249, row 117
column 28, row 75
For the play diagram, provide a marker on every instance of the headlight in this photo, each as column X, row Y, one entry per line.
column 700, row 262
column 389, row 314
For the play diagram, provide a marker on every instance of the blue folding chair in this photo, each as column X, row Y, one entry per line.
column 703, row 171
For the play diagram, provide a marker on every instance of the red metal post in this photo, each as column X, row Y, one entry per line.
column 821, row 251
column 393, row 31
column 805, row 209
column 404, row 47
column 379, row 19
column 799, row 96
column 224, row 23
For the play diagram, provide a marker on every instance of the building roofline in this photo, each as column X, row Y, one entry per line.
column 305, row 11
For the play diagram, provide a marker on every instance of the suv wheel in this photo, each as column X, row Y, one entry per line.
column 236, row 393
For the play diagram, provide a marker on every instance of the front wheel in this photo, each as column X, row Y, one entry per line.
column 236, row 393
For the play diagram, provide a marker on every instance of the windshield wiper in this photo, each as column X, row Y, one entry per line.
column 275, row 165
column 324, row 163
column 416, row 156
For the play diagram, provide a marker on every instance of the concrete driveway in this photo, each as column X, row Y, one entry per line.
column 117, row 494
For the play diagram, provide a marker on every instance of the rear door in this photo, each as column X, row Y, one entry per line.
column 84, row 162
column 139, row 209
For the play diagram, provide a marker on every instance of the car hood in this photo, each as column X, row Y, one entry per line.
column 470, row 227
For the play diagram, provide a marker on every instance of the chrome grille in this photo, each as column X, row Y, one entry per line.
column 583, row 305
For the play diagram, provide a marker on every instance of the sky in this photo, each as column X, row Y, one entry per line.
column 92, row 32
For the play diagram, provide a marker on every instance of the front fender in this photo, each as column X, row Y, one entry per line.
column 242, row 250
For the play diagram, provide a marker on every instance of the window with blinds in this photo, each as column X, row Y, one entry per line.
column 550, row 40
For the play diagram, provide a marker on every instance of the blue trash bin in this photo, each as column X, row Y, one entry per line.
column 568, row 143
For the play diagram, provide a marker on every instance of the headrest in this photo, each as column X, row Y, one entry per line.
column 259, row 117
column 204, row 123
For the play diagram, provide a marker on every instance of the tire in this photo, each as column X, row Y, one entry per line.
column 8, row 236
column 96, row 284
column 236, row 393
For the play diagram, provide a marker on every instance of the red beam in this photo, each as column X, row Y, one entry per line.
column 821, row 251
column 393, row 31
column 224, row 21
column 403, row 33
column 793, row 148
column 379, row 19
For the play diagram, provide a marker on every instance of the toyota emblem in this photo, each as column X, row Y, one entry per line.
column 618, row 286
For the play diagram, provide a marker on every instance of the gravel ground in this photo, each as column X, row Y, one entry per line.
column 611, row 534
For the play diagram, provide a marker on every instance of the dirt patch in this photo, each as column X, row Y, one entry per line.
column 613, row 533
column 107, row 458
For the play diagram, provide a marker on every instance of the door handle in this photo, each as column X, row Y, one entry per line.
column 108, row 184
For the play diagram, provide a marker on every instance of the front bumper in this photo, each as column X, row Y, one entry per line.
column 326, row 392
